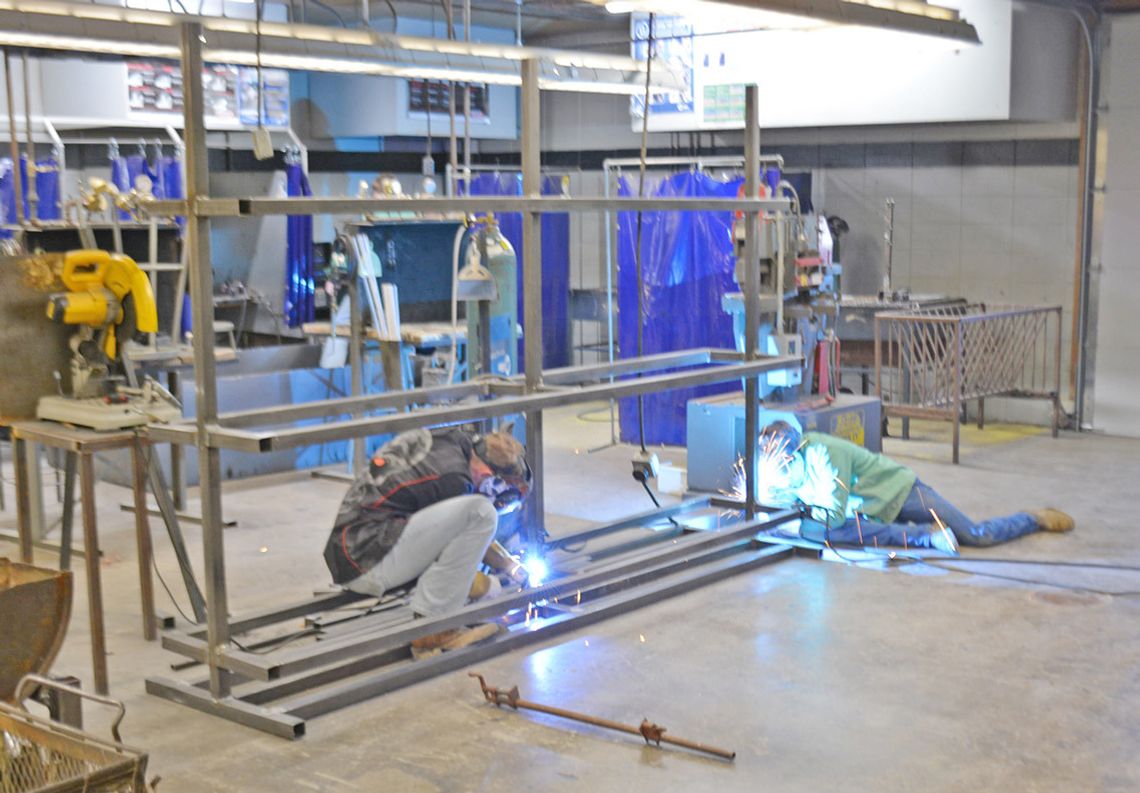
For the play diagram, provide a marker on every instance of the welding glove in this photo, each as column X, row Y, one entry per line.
column 498, row 558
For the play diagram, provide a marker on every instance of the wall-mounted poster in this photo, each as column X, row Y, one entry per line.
column 155, row 89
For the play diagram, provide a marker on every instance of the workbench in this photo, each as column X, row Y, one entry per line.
column 80, row 446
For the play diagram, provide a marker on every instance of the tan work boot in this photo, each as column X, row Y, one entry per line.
column 1055, row 520
column 452, row 639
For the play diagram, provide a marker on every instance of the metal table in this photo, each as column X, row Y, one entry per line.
column 81, row 445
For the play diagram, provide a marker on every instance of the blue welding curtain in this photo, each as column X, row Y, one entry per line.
column 555, row 262
column 300, row 281
column 687, row 266
column 47, row 189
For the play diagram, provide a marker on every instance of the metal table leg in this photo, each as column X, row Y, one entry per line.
column 177, row 482
column 23, row 498
column 34, row 469
column 68, row 519
column 142, row 537
column 94, row 582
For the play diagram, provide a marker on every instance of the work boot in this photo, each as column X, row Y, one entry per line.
column 485, row 587
column 1055, row 520
column 453, row 639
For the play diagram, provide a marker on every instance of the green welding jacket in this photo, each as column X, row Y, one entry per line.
column 869, row 483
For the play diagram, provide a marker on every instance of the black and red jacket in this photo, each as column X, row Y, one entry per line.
column 414, row 470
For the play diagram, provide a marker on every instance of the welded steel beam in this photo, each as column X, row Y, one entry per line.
column 232, row 709
column 257, row 207
column 183, row 432
column 752, row 292
column 530, row 101
column 201, row 280
column 287, row 414
column 292, row 437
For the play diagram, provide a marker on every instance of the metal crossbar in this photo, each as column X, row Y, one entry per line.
column 930, row 362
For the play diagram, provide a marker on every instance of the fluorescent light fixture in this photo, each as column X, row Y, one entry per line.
column 84, row 44
column 718, row 14
column 114, row 30
column 903, row 16
column 35, row 16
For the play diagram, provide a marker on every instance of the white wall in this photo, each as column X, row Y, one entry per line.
column 1117, row 374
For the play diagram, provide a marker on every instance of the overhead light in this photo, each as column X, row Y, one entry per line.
column 712, row 15
column 364, row 37
column 84, row 44
column 125, row 32
column 902, row 16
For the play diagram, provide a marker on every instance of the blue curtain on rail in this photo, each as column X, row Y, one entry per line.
column 687, row 262
column 555, row 262
column 47, row 189
column 300, row 281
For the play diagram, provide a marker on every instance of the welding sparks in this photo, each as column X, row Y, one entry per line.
column 787, row 477
column 536, row 570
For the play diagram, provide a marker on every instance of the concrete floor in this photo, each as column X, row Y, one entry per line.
column 821, row 676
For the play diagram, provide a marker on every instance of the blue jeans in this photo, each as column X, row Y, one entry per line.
column 914, row 525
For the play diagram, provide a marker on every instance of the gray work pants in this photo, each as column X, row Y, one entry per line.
column 442, row 545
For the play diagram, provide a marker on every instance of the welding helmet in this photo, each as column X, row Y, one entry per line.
column 780, row 437
column 510, row 479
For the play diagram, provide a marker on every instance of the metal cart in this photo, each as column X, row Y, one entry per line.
column 41, row 755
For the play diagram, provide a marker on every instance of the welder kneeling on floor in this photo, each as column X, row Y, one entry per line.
column 855, row 497
column 425, row 512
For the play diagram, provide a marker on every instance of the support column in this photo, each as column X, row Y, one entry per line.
column 356, row 364
column 751, row 293
column 532, row 292
column 205, row 365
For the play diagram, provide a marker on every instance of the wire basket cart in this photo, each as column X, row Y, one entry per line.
column 38, row 755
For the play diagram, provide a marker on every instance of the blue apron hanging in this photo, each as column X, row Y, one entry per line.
column 300, row 281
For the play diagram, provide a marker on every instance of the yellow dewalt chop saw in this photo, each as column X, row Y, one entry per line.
column 109, row 300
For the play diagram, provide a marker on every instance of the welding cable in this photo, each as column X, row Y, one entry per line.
column 170, row 594
column 656, row 503
column 910, row 558
column 941, row 565
column 637, row 240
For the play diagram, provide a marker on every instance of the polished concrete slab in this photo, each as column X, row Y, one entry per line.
column 821, row 676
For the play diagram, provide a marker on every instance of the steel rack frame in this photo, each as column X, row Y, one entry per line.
column 244, row 686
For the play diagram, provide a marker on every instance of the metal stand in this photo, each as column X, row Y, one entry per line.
column 80, row 446
column 276, row 691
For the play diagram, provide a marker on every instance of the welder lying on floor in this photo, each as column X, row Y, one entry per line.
column 857, row 497
column 425, row 511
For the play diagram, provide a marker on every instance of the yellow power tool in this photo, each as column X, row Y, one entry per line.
column 109, row 301
column 110, row 293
